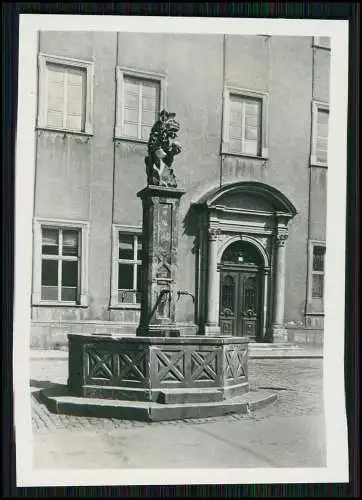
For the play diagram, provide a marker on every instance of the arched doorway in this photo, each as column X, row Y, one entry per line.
column 253, row 217
column 241, row 291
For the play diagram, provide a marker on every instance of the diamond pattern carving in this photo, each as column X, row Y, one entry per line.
column 132, row 366
column 100, row 364
column 235, row 360
column 170, row 366
column 203, row 365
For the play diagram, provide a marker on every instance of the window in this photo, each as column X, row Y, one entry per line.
column 141, row 96
column 318, row 272
column 65, row 92
column 316, row 269
column 127, row 266
column 245, row 118
column 320, row 121
column 60, row 263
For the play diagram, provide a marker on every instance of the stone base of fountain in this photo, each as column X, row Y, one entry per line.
column 156, row 378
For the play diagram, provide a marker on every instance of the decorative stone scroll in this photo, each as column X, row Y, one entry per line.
column 162, row 147
column 281, row 239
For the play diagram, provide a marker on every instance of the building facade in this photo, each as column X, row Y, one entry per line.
column 254, row 126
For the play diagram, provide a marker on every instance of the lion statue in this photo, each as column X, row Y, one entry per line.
column 162, row 147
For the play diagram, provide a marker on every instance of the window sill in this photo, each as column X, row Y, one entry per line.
column 244, row 155
column 66, row 132
column 130, row 139
column 136, row 307
column 323, row 47
column 318, row 164
column 58, row 304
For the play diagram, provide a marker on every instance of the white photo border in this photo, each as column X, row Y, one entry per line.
column 336, row 424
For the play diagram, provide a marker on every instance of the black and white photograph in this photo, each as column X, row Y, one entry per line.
column 180, row 251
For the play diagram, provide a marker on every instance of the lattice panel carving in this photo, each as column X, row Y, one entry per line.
column 101, row 364
column 170, row 366
column 235, row 363
column 132, row 366
column 203, row 365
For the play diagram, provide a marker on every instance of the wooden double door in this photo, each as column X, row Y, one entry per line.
column 240, row 301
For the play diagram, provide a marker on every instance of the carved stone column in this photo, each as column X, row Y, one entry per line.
column 266, row 277
column 159, row 260
column 213, row 286
column 279, row 332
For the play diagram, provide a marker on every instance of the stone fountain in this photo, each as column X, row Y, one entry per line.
column 157, row 374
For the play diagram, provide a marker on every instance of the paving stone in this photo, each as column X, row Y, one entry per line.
column 297, row 381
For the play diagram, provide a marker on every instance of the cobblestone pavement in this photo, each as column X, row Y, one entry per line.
column 298, row 383
column 288, row 433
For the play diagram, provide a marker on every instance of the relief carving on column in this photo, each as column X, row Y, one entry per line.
column 281, row 239
column 214, row 234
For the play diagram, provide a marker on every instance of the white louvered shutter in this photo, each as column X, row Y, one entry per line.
column 141, row 105
column 75, row 102
column 244, row 125
column 235, row 124
column 322, row 136
column 55, row 95
column 252, row 110
column 150, row 106
column 131, row 106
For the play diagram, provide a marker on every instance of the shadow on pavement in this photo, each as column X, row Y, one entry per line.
column 44, row 384
column 40, row 385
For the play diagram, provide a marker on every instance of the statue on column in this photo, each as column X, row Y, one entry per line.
column 162, row 147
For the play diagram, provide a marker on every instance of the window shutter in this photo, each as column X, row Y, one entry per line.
column 245, row 124
column 56, row 95
column 252, row 126
column 150, row 106
column 235, row 125
column 141, row 103
column 322, row 136
column 131, row 106
column 75, row 106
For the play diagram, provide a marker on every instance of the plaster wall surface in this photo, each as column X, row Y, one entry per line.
column 96, row 178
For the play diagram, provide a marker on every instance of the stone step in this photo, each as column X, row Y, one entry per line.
column 58, row 400
column 284, row 345
column 163, row 395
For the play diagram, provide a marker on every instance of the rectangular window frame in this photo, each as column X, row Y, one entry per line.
column 316, row 107
column 43, row 60
column 264, row 97
column 83, row 227
column 316, row 303
column 121, row 72
column 130, row 230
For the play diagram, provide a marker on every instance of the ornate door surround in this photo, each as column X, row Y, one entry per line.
column 254, row 213
column 241, row 291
